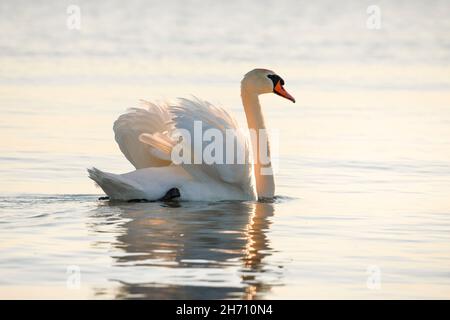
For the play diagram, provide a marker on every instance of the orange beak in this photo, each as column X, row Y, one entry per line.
column 279, row 90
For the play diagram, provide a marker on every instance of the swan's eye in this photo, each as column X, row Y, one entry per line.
column 275, row 79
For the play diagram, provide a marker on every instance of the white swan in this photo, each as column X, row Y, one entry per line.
column 145, row 136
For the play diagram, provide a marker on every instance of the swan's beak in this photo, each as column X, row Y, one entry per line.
column 279, row 90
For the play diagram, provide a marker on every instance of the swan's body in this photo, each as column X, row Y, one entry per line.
column 146, row 137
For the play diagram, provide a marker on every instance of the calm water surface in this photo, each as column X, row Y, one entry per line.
column 363, row 205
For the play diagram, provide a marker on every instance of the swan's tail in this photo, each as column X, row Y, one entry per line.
column 115, row 186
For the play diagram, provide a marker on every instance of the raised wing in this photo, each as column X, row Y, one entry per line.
column 143, row 134
column 233, row 167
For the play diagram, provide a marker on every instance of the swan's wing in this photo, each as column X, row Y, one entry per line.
column 143, row 135
column 187, row 112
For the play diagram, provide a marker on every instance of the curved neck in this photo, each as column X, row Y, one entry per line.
column 265, row 185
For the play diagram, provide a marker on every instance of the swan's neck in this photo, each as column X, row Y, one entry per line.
column 265, row 185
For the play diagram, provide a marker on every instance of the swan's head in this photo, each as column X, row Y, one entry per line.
column 262, row 81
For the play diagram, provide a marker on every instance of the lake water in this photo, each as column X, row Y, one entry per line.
column 363, row 188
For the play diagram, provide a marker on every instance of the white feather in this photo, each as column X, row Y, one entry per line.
column 149, row 119
column 144, row 137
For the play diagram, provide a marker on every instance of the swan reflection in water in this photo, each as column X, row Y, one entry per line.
column 192, row 250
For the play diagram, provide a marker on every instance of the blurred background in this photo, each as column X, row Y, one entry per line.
column 364, row 153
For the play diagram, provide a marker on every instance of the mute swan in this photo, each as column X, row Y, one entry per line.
column 145, row 136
